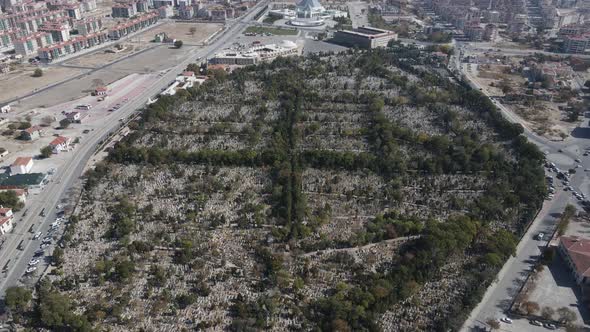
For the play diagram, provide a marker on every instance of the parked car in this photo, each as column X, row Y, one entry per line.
column 540, row 236
column 37, row 236
column 31, row 269
column 536, row 323
column 550, row 326
column 506, row 320
column 33, row 262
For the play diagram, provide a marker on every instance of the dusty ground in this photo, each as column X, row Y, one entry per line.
column 20, row 81
column 102, row 57
column 180, row 31
column 543, row 117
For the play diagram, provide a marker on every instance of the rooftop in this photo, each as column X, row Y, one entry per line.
column 59, row 140
column 579, row 251
column 23, row 180
column 22, row 161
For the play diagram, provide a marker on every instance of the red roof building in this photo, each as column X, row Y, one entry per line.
column 6, row 218
column 59, row 144
column 576, row 252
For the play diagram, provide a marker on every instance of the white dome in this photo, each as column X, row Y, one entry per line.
column 288, row 44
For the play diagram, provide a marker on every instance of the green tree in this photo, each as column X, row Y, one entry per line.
column 38, row 72
column 58, row 256
column 178, row 43
column 9, row 199
column 566, row 315
column 493, row 323
column 547, row 312
column 46, row 151
column 65, row 123
column 18, row 298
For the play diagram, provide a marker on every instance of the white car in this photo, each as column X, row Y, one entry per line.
column 540, row 236
column 506, row 320
column 33, row 262
column 31, row 269
column 37, row 236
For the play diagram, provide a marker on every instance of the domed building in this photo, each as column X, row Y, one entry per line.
column 310, row 9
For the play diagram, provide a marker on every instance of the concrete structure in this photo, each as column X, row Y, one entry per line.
column 365, row 37
column 576, row 253
column 60, row 32
column 6, row 220
column 74, row 11
column 133, row 25
column 22, row 165
column 29, row 45
column 126, row 10
column 28, row 181
column 186, row 13
column 88, row 5
column 255, row 54
column 101, row 91
column 579, row 44
column 88, row 25
column 60, row 144
column 55, row 51
column 31, row 133
column 310, row 9
column 165, row 11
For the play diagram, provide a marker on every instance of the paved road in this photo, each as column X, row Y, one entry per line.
column 68, row 175
column 509, row 280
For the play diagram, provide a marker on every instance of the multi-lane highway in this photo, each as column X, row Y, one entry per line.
column 16, row 259
column 500, row 294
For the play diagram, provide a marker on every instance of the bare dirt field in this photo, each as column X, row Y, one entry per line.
column 20, row 81
column 101, row 57
column 181, row 31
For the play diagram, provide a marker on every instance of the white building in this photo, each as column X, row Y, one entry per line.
column 310, row 9
column 255, row 54
column 6, row 218
column 22, row 165
column 60, row 144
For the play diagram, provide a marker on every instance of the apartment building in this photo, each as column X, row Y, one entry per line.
column 133, row 25
column 60, row 31
column 55, row 51
column 186, row 13
column 30, row 44
column 88, row 25
column 126, row 10
column 579, row 44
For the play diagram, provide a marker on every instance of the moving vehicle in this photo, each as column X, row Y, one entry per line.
column 20, row 245
column 84, row 107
